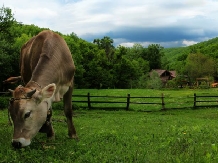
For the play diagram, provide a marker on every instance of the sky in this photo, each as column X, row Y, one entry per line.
column 170, row 23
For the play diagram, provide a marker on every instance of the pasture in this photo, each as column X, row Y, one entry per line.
column 175, row 135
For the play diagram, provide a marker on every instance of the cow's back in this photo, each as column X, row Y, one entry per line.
column 46, row 59
column 25, row 67
column 46, row 56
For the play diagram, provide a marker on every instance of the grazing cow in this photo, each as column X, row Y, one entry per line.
column 47, row 70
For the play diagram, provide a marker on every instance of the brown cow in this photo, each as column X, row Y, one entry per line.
column 47, row 70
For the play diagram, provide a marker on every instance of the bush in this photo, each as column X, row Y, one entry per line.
column 142, row 83
column 204, row 86
column 171, row 84
column 4, row 102
column 154, row 82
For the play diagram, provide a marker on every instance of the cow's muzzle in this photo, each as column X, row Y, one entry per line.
column 20, row 142
column 16, row 144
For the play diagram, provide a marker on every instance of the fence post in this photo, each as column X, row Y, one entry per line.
column 162, row 99
column 89, row 103
column 127, row 102
column 195, row 97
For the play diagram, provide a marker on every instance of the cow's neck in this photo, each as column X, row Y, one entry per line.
column 39, row 81
column 34, row 85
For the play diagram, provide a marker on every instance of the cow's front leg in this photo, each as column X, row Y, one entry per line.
column 50, row 132
column 47, row 126
column 68, row 113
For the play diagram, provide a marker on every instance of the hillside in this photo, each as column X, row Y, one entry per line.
column 209, row 48
column 172, row 54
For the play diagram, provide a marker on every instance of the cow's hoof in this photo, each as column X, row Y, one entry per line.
column 51, row 138
column 74, row 137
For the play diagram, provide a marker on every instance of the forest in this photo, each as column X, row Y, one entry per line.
column 99, row 64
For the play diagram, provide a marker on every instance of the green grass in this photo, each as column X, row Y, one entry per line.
column 183, row 135
column 121, row 136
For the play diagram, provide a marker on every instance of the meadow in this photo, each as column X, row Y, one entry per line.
column 175, row 135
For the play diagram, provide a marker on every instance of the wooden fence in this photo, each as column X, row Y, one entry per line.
column 4, row 93
column 124, row 100
column 205, row 101
column 162, row 102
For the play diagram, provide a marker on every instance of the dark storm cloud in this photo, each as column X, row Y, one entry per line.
column 155, row 35
column 151, row 34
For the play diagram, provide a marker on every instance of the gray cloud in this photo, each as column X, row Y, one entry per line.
column 167, row 35
column 166, row 22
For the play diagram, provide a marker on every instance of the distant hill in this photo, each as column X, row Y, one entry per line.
column 172, row 54
column 209, row 48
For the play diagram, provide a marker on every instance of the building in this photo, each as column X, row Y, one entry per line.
column 165, row 75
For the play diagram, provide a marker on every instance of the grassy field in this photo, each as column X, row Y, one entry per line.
column 181, row 135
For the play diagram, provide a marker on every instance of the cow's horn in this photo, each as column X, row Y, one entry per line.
column 12, row 80
column 29, row 94
column 10, row 90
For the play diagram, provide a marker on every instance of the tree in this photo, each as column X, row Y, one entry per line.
column 121, row 73
column 106, row 43
column 154, row 53
column 6, row 21
column 199, row 65
column 6, row 43
column 137, row 51
column 95, row 64
column 119, row 52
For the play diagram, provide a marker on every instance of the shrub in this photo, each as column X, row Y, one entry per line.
column 171, row 84
column 155, row 81
column 142, row 83
column 4, row 102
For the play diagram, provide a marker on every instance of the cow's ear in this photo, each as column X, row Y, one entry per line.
column 48, row 91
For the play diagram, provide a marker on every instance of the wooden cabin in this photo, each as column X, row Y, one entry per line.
column 165, row 75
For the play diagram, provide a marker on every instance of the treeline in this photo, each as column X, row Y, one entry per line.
column 101, row 65
column 98, row 64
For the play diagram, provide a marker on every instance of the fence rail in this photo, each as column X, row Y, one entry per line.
column 126, row 100
column 163, row 102
column 198, row 99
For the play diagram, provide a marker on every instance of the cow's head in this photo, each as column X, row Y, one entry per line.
column 28, row 110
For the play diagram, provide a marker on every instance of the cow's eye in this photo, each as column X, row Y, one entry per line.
column 27, row 114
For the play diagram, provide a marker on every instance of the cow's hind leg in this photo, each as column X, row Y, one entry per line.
column 68, row 113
